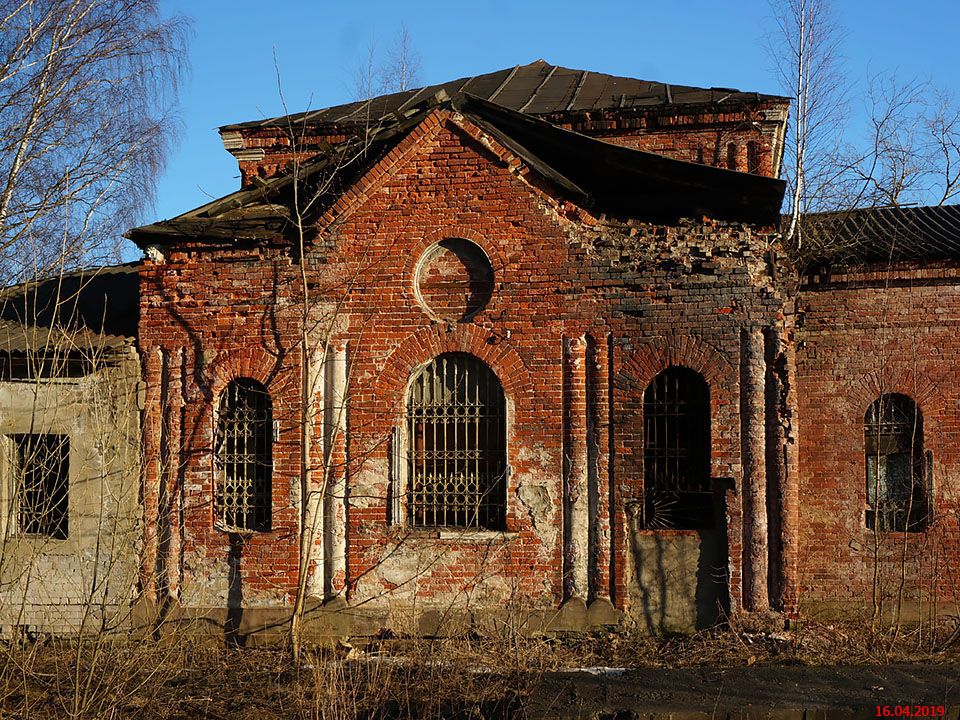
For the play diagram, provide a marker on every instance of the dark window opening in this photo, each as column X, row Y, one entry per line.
column 898, row 482
column 732, row 157
column 676, row 457
column 42, row 484
column 456, row 441
column 244, row 457
column 37, row 365
column 753, row 157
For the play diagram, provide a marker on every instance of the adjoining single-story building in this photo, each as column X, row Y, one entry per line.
column 70, row 403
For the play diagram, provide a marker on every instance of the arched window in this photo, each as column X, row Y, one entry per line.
column 456, row 445
column 244, row 457
column 676, row 451
column 898, row 497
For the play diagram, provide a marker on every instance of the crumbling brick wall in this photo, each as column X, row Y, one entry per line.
column 868, row 331
column 582, row 314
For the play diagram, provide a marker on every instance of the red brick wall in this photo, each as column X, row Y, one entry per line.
column 863, row 334
column 644, row 296
column 700, row 135
column 208, row 317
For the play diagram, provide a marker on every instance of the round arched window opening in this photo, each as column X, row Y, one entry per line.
column 456, row 445
column 243, row 457
column 454, row 280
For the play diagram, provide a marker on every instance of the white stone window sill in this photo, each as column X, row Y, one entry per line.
column 472, row 535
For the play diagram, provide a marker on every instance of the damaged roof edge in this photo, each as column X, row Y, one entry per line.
column 596, row 174
column 538, row 88
column 96, row 306
column 632, row 180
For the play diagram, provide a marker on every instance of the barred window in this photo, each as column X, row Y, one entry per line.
column 456, row 445
column 676, row 457
column 898, row 487
column 244, row 457
column 41, row 484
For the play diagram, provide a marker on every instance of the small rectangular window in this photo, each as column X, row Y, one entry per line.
column 41, row 482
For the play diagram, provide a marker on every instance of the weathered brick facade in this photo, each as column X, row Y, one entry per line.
column 865, row 332
column 457, row 238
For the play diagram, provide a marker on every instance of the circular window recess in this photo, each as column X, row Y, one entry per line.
column 454, row 280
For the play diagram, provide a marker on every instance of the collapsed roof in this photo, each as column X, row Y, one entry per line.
column 599, row 176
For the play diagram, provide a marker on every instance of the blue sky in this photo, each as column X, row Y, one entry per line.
column 319, row 46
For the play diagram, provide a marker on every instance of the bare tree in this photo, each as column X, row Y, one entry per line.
column 805, row 51
column 911, row 153
column 908, row 150
column 313, row 179
column 905, row 151
column 86, row 92
column 398, row 71
column 402, row 67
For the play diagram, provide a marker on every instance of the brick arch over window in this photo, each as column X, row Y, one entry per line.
column 420, row 347
column 243, row 457
column 256, row 363
column 456, row 445
column 676, row 451
column 657, row 354
column 925, row 389
column 898, row 482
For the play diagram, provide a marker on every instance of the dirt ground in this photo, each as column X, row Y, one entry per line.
column 848, row 691
column 817, row 671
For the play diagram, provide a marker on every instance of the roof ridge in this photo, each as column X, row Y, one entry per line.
column 527, row 82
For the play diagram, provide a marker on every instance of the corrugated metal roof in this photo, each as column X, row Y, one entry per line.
column 539, row 88
column 882, row 235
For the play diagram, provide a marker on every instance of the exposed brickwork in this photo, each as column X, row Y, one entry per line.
column 636, row 297
column 699, row 135
column 229, row 313
column 865, row 333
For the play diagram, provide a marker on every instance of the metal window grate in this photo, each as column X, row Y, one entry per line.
column 42, row 483
column 898, row 489
column 244, row 457
column 676, row 458
column 456, row 445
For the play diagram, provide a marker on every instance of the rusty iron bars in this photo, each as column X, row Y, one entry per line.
column 244, row 457
column 676, row 451
column 456, row 445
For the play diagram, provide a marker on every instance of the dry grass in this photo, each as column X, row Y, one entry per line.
column 459, row 677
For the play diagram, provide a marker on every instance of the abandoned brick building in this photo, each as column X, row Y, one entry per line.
column 530, row 342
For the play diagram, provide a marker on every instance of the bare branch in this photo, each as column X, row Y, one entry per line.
column 86, row 93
